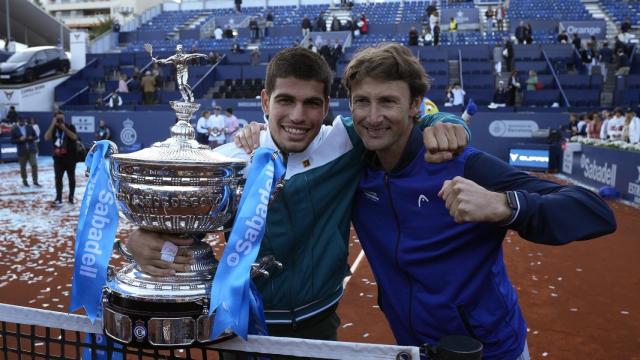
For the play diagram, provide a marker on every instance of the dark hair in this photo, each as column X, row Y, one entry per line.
column 300, row 63
column 229, row 110
column 387, row 61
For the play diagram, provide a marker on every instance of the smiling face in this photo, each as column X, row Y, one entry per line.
column 383, row 113
column 296, row 109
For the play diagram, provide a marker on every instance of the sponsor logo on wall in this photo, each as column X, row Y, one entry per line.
column 604, row 174
column 84, row 124
column 634, row 188
column 128, row 135
column 512, row 128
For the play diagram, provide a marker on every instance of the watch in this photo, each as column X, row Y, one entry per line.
column 512, row 202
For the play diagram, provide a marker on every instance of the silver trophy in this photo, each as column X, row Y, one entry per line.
column 181, row 187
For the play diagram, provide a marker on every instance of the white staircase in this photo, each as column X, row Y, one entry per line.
column 594, row 8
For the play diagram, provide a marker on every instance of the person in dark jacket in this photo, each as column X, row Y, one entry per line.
column 63, row 136
column 413, row 36
column 24, row 136
column 12, row 115
column 521, row 33
column 306, row 26
column 436, row 34
column 433, row 232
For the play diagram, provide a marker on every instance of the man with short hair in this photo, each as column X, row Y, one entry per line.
column 309, row 220
column 231, row 124
column 63, row 136
column 148, row 84
column 215, row 126
column 433, row 232
column 24, row 136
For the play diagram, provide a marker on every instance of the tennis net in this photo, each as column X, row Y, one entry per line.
column 27, row 333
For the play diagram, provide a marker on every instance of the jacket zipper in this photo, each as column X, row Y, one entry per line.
column 397, row 221
column 465, row 322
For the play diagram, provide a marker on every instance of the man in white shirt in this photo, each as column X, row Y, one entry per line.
column 458, row 95
column 115, row 101
column 216, row 128
column 604, row 134
column 616, row 125
column 230, row 124
column 202, row 128
column 634, row 129
column 217, row 33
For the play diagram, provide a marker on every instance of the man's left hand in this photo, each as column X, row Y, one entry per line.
column 443, row 141
column 470, row 202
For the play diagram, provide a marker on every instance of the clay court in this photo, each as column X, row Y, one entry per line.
column 581, row 301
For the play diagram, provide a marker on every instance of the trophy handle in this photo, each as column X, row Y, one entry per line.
column 123, row 251
column 113, row 149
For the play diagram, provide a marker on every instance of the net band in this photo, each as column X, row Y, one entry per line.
column 32, row 318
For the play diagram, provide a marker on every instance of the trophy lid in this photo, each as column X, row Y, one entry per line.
column 179, row 148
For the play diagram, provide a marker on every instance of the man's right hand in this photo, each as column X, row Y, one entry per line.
column 248, row 138
column 146, row 246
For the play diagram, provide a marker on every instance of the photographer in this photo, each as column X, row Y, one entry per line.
column 63, row 136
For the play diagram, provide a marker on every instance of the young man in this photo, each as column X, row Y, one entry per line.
column 308, row 224
column 433, row 232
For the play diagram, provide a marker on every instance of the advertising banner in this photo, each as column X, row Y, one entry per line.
column 585, row 29
column 467, row 18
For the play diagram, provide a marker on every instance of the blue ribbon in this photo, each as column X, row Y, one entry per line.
column 97, row 226
column 234, row 298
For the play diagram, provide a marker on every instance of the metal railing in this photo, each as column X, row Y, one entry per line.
column 555, row 77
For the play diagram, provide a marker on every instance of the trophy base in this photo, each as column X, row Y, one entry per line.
column 153, row 324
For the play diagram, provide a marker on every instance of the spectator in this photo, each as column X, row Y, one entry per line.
column 253, row 27
column 262, row 26
column 623, row 63
column 604, row 135
column 268, row 23
column 605, row 58
column 213, row 57
column 528, row 34
column 335, row 24
column 583, row 124
column 413, row 36
column 572, row 126
column 427, row 37
column 513, row 86
column 563, row 38
column 148, row 84
column 122, row 84
column 591, row 55
column 521, row 33
column 455, row 95
column 433, row 20
column 236, row 48
column 577, row 42
column 231, row 124
column 436, row 34
column 228, row 32
column 12, row 115
column 532, row 81
column 363, row 24
column 500, row 15
column 103, row 133
column 453, row 31
column 306, row 26
column 238, row 4
column 489, row 14
column 63, row 136
column 99, row 103
column 255, row 57
column 215, row 125
column 217, row 33
column 202, row 128
column 321, row 22
column 595, row 126
column 115, row 36
column 500, row 96
column 632, row 129
column 497, row 59
column 626, row 25
column 24, row 136
column 115, row 101
column 432, row 8
column 507, row 54
column 616, row 125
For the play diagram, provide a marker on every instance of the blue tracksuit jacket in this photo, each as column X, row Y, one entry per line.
column 437, row 277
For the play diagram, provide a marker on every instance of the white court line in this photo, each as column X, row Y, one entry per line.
column 353, row 269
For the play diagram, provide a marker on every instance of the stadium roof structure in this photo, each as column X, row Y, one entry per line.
column 31, row 25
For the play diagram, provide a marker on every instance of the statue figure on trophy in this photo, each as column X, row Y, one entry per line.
column 180, row 60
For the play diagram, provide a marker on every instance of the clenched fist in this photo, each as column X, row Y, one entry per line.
column 470, row 202
column 443, row 141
